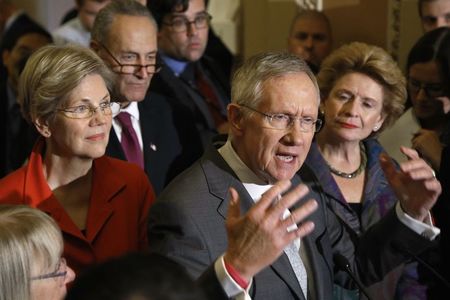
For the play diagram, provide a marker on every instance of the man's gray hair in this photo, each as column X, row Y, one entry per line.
column 106, row 16
column 248, row 80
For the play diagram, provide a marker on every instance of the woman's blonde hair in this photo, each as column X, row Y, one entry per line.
column 28, row 238
column 373, row 62
column 50, row 75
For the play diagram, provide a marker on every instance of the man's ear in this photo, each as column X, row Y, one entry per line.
column 235, row 118
column 42, row 127
column 5, row 56
column 94, row 46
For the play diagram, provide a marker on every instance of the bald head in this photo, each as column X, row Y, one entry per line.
column 434, row 14
column 310, row 36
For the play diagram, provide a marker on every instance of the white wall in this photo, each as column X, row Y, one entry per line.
column 47, row 12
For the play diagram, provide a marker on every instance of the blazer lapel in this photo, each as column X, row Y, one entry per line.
column 106, row 186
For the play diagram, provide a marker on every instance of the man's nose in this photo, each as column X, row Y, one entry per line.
column 142, row 72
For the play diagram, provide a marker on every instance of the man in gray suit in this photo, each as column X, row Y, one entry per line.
column 284, row 244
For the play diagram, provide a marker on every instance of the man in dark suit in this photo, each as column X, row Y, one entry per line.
column 281, row 247
column 196, row 85
column 124, row 36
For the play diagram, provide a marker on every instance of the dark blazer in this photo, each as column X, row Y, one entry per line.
column 193, row 119
column 163, row 155
column 16, row 144
column 439, row 258
column 187, row 224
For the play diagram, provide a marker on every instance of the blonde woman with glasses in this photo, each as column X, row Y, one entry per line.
column 31, row 246
column 99, row 203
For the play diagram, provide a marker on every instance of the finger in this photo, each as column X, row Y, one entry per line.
column 234, row 210
column 409, row 152
column 303, row 230
column 271, row 196
column 301, row 213
column 388, row 166
column 434, row 186
column 289, row 199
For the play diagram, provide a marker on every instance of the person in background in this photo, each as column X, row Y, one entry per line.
column 100, row 203
column 18, row 136
column 197, row 88
column 31, row 246
column 12, row 20
column 283, row 244
column 426, row 125
column 78, row 29
column 310, row 37
column 124, row 36
column 434, row 14
column 363, row 91
column 135, row 276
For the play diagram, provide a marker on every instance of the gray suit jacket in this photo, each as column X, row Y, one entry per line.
column 187, row 224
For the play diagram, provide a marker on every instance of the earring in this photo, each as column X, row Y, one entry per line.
column 375, row 127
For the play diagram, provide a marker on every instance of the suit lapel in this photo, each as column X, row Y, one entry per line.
column 188, row 94
column 147, row 131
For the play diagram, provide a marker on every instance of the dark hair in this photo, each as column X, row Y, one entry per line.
column 433, row 46
column 10, row 41
column 149, row 276
column 161, row 8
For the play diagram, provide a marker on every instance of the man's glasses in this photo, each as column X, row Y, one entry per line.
column 285, row 121
column 432, row 90
column 61, row 271
column 87, row 111
column 131, row 68
column 182, row 24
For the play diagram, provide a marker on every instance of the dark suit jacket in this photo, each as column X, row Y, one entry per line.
column 193, row 119
column 439, row 258
column 187, row 224
column 16, row 144
column 163, row 155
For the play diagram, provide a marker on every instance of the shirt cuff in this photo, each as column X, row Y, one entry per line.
column 426, row 229
column 231, row 287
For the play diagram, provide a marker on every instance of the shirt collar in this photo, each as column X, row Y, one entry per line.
column 252, row 183
column 177, row 66
column 132, row 109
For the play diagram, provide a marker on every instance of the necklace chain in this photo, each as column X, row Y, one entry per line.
column 362, row 165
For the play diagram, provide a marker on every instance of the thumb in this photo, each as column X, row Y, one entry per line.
column 388, row 167
column 234, row 210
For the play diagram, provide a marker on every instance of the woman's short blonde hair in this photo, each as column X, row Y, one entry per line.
column 50, row 75
column 28, row 238
column 373, row 62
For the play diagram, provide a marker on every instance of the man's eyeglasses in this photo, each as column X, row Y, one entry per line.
column 285, row 121
column 433, row 90
column 61, row 271
column 131, row 68
column 87, row 111
column 182, row 24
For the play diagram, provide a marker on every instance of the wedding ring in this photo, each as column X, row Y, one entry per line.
column 433, row 173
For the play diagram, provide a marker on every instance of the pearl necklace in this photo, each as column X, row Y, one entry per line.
column 362, row 165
